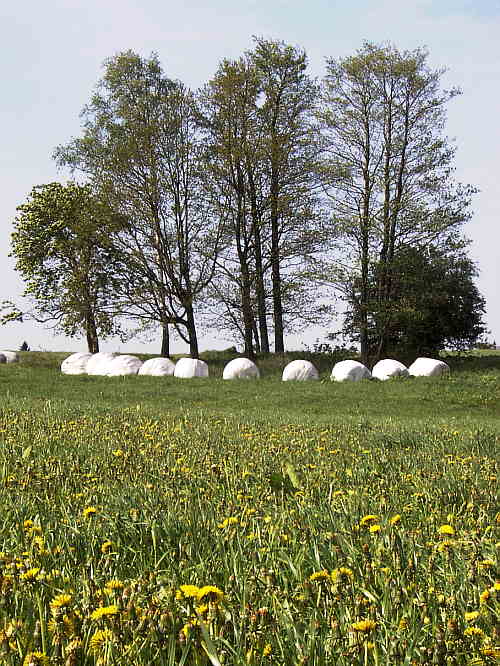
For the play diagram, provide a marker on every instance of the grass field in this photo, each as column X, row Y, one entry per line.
column 163, row 521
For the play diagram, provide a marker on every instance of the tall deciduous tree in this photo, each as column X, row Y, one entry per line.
column 71, row 271
column 388, row 172
column 140, row 148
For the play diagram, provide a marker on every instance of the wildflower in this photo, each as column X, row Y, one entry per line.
column 99, row 640
column 447, row 530
column 476, row 632
column 366, row 520
column 106, row 547
column 227, row 522
column 319, row 576
column 470, row 617
column 210, row 593
column 364, row 626
column 491, row 651
column 395, row 519
column 104, row 611
column 486, row 564
column 374, row 529
column 113, row 585
column 89, row 511
column 267, row 650
column 31, row 575
column 343, row 574
column 36, row 659
column 403, row 624
column 187, row 592
column 59, row 602
column 484, row 596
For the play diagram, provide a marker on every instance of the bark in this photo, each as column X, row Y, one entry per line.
column 191, row 328
column 91, row 333
column 165, row 341
column 279, row 345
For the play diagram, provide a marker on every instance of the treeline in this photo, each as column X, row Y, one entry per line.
column 248, row 205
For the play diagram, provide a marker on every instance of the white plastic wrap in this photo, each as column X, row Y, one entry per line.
column 241, row 368
column 124, row 365
column 349, row 371
column 98, row 364
column 187, row 368
column 76, row 364
column 387, row 368
column 300, row 371
column 428, row 367
column 157, row 367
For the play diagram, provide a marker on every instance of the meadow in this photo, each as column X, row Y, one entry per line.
column 163, row 521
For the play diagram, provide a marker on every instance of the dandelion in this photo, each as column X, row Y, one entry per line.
column 448, row 530
column 267, row 650
column 366, row 520
column 106, row 547
column 59, row 602
column 472, row 616
column 484, row 596
column 89, row 511
column 228, row 521
column 319, row 576
column 104, row 611
column 474, row 632
column 374, row 529
column 342, row 575
column 100, row 639
column 210, row 593
column 364, row 626
column 395, row 519
column 31, row 575
column 113, row 586
column 187, row 592
column 36, row 659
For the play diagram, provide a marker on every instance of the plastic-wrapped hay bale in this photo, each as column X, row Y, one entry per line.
column 124, row 365
column 299, row 371
column 10, row 356
column 157, row 367
column 98, row 363
column 2, row 358
column 387, row 368
column 241, row 368
column 349, row 371
column 76, row 364
column 428, row 367
column 186, row 368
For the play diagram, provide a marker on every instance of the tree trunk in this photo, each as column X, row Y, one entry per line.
column 165, row 341
column 91, row 333
column 191, row 327
column 279, row 345
column 256, row 338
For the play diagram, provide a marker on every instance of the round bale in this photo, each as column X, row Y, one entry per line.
column 349, row 371
column 187, row 368
column 387, row 368
column 157, row 367
column 241, row 368
column 299, row 371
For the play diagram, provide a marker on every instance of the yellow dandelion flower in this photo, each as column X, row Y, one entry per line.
column 104, row 611
column 447, row 530
column 472, row 616
column 475, row 632
column 366, row 520
column 364, row 626
column 403, row 624
column 59, row 602
column 107, row 547
column 267, row 650
column 31, row 575
column 100, row 639
column 319, row 576
column 187, row 592
column 491, row 651
column 374, row 529
column 484, row 596
column 228, row 521
column 210, row 593
column 89, row 511
column 113, row 585
column 36, row 659
column 202, row 609
column 395, row 519
column 486, row 564
column 342, row 575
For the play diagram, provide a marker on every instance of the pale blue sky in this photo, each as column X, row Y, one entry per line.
column 53, row 52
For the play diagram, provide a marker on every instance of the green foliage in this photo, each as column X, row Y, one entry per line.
column 62, row 250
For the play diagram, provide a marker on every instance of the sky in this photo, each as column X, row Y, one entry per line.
column 53, row 55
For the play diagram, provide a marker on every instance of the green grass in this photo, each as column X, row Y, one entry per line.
column 263, row 490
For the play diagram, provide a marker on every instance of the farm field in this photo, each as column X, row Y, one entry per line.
column 163, row 521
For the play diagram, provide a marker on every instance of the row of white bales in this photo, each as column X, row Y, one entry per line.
column 113, row 365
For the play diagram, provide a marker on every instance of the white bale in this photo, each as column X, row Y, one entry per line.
column 157, row 367
column 124, row 365
column 428, row 367
column 186, row 368
column 349, row 371
column 98, row 363
column 76, row 364
column 10, row 357
column 2, row 358
column 387, row 368
column 299, row 371
column 241, row 368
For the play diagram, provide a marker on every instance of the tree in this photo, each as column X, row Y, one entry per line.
column 61, row 245
column 435, row 302
column 140, row 149
column 388, row 173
